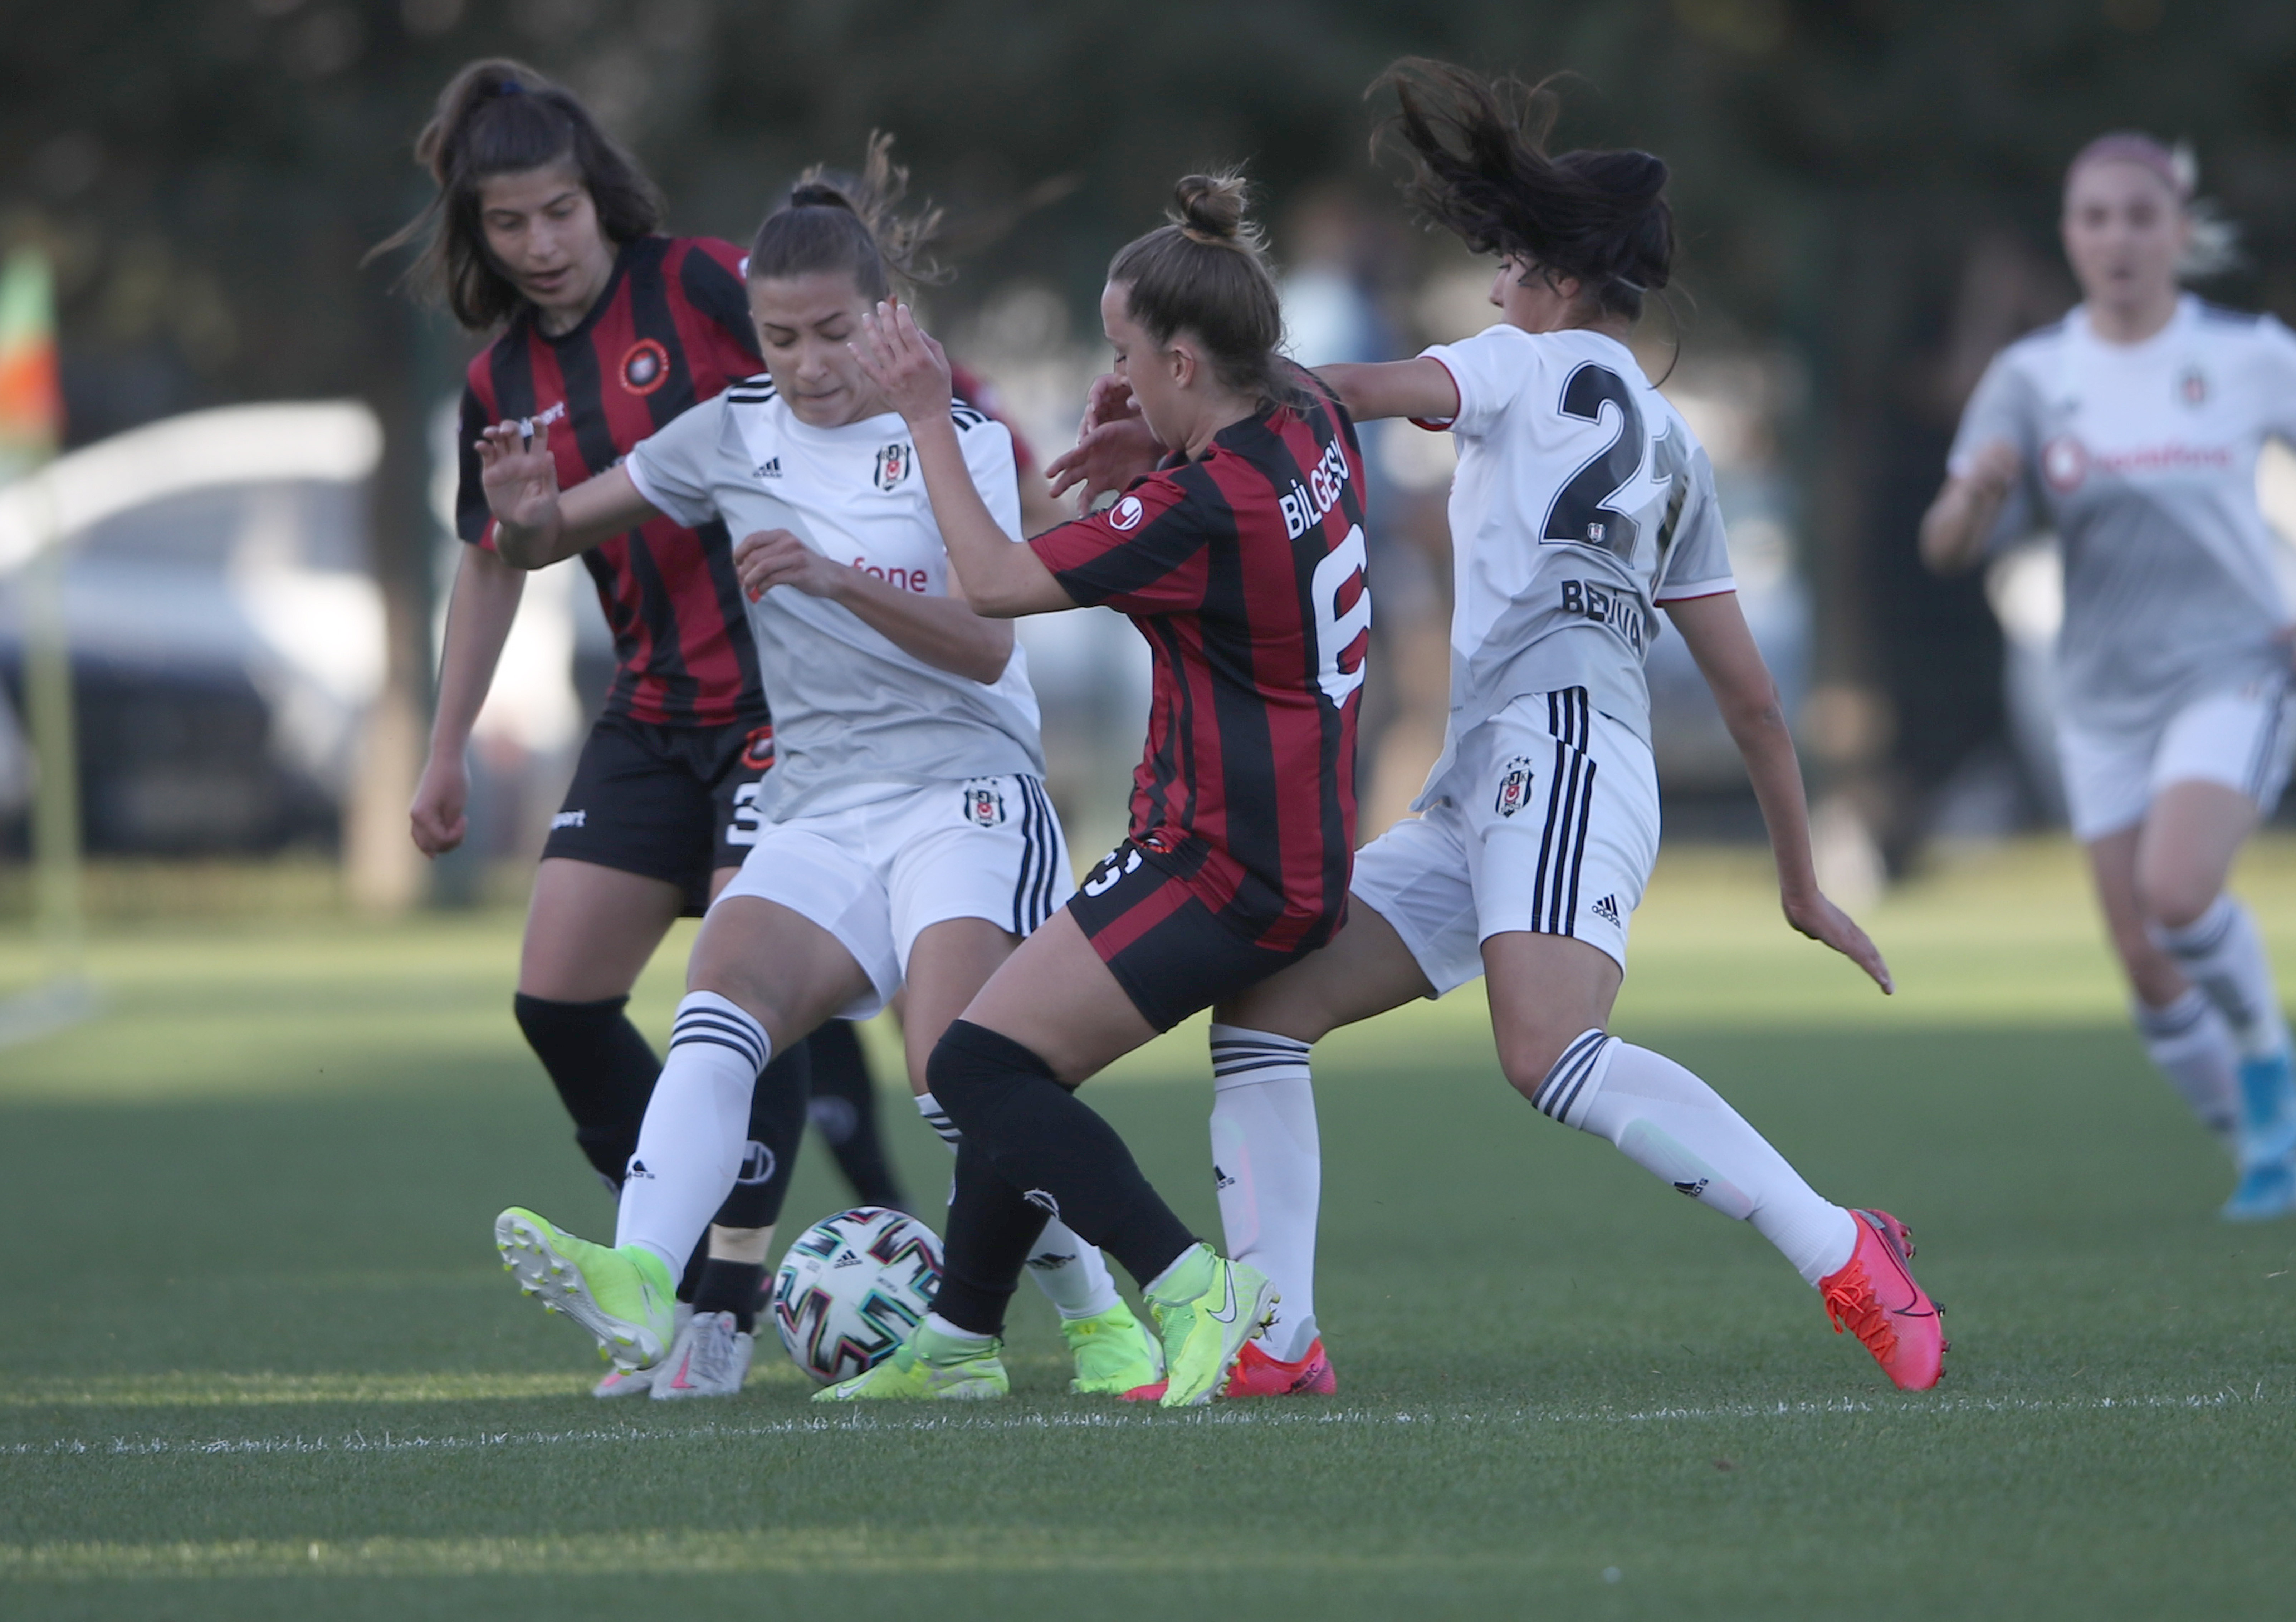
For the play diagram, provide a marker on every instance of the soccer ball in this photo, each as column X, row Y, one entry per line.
column 852, row 1288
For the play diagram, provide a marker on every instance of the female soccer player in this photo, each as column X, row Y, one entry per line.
column 1241, row 560
column 2131, row 428
column 1582, row 502
column 543, row 226
column 904, row 835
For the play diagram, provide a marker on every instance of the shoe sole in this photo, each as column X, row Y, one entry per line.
column 972, row 1392
column 1250, row 1323
column 541, row 1271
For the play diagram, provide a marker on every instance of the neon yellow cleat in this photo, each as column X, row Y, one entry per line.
column 1206, row 1307
column 1115, row 1356
column 625, row 1298
column 930, row 1367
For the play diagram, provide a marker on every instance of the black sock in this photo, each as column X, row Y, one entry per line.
column 845, row 1109
column 991, row 1230
column 602, row 1068
column 777, row 1106
column 1050, row 1146
column 736, row 1286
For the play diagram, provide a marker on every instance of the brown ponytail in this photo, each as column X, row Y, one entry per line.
column 500, row 117
column 1206, row 274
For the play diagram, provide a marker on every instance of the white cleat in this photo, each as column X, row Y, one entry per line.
column 709, row 1358
column 637, row 1382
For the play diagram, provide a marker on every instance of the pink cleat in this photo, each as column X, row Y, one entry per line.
column 1258, row 1374
column 1874, row 1297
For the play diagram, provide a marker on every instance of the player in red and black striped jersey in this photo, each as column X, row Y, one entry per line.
column 1241, row 562
column 544, row 227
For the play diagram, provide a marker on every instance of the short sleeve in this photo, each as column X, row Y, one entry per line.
column 2002, row 408
column 1488, row 370
column 988, row 446
column 671, row 467
column 1145, row 554
column 1697, row 563
column 472, row 516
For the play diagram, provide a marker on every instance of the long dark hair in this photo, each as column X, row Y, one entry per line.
column 851, row 222
column 1206, row 272
column 500, row 117
column 1478, row 168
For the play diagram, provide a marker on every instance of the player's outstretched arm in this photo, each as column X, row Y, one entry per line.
column 536, row 524
column 1714, row 629
column 478, row 615
column 1419, row 388
column 999, row 579
column 1959, row 521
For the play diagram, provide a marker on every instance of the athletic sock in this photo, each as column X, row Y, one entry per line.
column 602, row 1068
column 1072, row 1273
column 966, row 1339
column 1681, row 1131
column 992, row 1227
column 1267, row 1168
column 2190, row 1044
column 1049, row 1145
column 844, row 1109
column 691, row 1147
column 778, row 1104
column 2221, row 953
column 736, row 1286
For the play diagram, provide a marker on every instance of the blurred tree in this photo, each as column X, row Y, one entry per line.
column 1870, row 183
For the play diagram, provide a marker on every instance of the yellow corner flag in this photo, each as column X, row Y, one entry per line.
column 31, row 400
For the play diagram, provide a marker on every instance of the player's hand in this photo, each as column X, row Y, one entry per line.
column 437, row 818
column 776, row 557
column 1109, row 399
column 1822, row 920
column 902, row 359
column 1997, row 467
column 1107, row 458
column 519, row 475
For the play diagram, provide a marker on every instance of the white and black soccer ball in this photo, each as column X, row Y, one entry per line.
column 852, row 1288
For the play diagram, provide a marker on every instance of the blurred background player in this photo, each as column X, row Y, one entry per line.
column 904, row 840
column 1582, row 502
column 2131, row 429
column 1241, row 560
column 544, row 227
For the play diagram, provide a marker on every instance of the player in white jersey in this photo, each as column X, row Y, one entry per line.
column 1581, row 504
column 903, row 839
column 2131, row 429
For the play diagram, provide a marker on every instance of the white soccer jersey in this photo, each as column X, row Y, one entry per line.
column 855, row 717
column 1581, row 502
column 2142, row 457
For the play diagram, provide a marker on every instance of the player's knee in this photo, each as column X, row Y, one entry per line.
column 1527, row 1058
column 973, row 1069
column 2173, row 899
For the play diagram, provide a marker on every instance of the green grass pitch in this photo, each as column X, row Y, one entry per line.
column 260, row 1360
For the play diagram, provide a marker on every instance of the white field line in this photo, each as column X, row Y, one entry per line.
column 391, row 1442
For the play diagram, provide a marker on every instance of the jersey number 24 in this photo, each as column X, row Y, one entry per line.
column 1581, row 514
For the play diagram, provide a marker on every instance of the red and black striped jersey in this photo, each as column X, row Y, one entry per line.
column 672, row 328
column 1244, row 569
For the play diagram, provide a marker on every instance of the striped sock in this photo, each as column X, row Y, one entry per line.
column 1268, row 1169
column 2190, row 1044
column 2221, row 953
column 696, row 1130
column 1073, row 1275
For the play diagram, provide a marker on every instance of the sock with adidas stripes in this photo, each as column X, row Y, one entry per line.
column 2221, row 953
column 696, row 1131
column 2190, row 1044
column 1073, row 1275
column 1268, row 1169
column 1683, row 1131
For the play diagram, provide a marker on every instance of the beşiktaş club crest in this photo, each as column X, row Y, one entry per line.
column 2193, row 387
column 983, row 805
column 1515, row 786
column 893, row 464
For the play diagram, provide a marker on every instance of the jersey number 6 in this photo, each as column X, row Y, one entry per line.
column 1580, row 513
column 1338, row 634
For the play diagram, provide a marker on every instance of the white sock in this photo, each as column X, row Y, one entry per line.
column 2221, row 953
column 1269, row 1167
column 968, row 1338
column 1073, row 1275
column 1681, row 1131
column 696, row 1130
column 2190, row 1044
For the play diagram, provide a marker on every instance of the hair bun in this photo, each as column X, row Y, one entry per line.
column 1210, row 208
column 819, row 194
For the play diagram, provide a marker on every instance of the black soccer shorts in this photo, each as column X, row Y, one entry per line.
column 674, row 803
column 1167, row 948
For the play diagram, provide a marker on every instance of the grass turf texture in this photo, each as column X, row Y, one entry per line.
column 263, row 1363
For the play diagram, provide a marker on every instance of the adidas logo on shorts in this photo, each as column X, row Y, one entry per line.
column 1607, row 909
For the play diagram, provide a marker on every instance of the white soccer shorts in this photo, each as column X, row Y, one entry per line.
column 1557, row 839
column 2242, row 739
column 879, row 874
